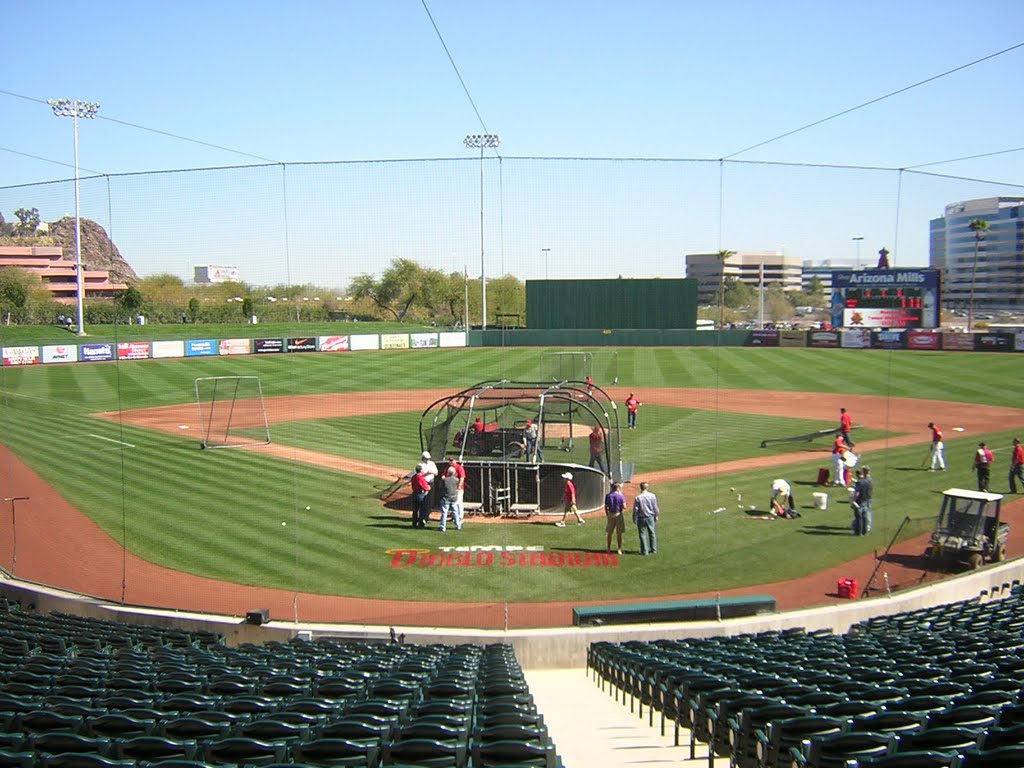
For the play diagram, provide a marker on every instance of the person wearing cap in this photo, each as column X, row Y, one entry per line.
column 429, row 467
column 632, row 404
column 530, row 435
column 983, row 466
column 937, row 456
column 569, row 499
column 1016, row 466
column 614, row 506
column 645, row 515
column 597, row 449
column 460, row 472
column 420, row 498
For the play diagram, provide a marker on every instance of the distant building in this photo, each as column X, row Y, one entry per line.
column 998, row 276
column 204, row 274
column 749, row 267
column 823, row 271
column 59, row 276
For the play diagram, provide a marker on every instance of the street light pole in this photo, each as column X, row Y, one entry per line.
column 545, row 251
column 482, row 141
column 857, row 240
column 76, row 109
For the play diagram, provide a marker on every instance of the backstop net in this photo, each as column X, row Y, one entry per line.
column 231, row 412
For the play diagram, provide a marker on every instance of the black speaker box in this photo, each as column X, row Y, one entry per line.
column 257, row 617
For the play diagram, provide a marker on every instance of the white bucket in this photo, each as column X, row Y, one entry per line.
column 820, row 500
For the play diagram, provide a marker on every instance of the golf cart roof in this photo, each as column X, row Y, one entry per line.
column 963, row 493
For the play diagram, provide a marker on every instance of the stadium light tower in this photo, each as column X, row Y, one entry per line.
column 482, row 141
column 546, row 252
column 857, row 239
column 76, row 109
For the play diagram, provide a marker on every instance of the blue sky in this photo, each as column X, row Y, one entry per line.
column 357, row 81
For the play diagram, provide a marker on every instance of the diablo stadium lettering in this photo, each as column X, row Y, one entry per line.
column 491, row 556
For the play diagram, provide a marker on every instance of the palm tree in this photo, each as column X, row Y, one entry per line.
column 722, row 256
column 978, row 227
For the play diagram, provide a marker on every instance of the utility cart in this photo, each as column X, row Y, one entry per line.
column 968, row 530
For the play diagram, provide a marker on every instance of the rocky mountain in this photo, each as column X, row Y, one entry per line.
column 98, row 252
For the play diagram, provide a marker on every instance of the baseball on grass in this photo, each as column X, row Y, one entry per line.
column 732, row 490
column 283, row 523
column 307, row 508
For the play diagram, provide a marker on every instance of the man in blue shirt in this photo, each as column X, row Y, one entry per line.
column 645, row 515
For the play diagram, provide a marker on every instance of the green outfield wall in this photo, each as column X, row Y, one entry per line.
column 581, row 304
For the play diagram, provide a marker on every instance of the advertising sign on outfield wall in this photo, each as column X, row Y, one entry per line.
column 267, row 346
column 233, row 347
column 394, row 341
column 452, row 339
column 993, row 342
column 163, row 349
column 961, row 342
column 764, row 338
column 304, row 344
column 60, row 353
column 364, row 341
column 133, row 350
column 21, row 355
column 332, row 343
column 924, row 340
column 792, row 338
column 1018, row 343
column 423, row 340
column 823, row 339
column 95, row 353
column 201, row 348
column 889, row 340
column 855, row 338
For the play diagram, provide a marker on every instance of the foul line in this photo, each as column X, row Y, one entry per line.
column 112, row 440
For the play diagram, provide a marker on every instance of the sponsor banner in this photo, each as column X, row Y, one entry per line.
column 452, row 339
column 267, row 346
column 394, row 341
column 823, row 339
column 200, row 348
column 133, row 350
column 60, row 353
column 962, row 342
column 792, row 338
column 305, row 344
column 924, row 340
column 1018, row 345
column 764, row 338
column 856, row 338
column 364, row 341
column 993, row 342
column 234, row 347
column 332, row 343
column 161, row 349
column 889, row 339
column 423, row 340
column 21, row 355
column 497, row 557
column 863, row 317
column 93, row 353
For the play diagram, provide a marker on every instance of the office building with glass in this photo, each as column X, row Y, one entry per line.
column 986, row 267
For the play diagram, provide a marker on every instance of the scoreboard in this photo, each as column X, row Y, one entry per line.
column 886, row 298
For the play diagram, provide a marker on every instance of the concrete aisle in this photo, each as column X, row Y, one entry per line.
column 592, row 730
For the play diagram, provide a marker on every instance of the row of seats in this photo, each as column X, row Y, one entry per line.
column 159, row 695
column 947, row 680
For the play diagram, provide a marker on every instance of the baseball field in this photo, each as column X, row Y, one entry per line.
column 115, row 445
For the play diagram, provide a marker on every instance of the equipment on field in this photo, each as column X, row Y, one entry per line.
column 803, row 438
column 602, row 366
column 231, row 412
column 968, row 529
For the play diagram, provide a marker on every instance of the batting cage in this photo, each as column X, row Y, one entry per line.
column 516, row 439
column 231, row 412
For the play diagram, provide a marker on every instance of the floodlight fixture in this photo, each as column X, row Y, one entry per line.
column 75, row 109
column 482, row 141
